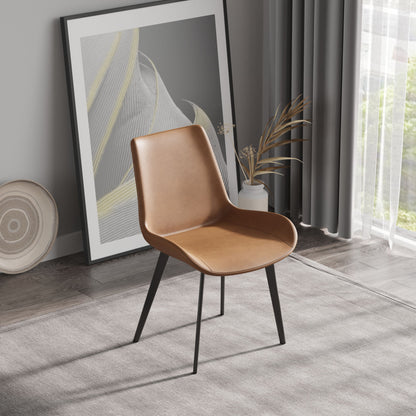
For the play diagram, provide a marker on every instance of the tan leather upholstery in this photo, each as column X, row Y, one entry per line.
column 185, row 212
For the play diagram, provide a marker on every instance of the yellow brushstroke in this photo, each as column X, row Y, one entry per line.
column 113, row 118
column 92, row 94
column 152, row 124
column 157, row 96
column 117, row 196
column 126, row 174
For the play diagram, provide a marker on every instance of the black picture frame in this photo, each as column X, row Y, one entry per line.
column 115, row 60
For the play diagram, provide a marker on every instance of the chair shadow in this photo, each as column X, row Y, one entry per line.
column 93, row 353
column 64, row 362
column 238, row 354
column 177, row 327
column 132, row 387
column 105, row 391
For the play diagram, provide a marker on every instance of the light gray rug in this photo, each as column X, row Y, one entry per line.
column 349, row 351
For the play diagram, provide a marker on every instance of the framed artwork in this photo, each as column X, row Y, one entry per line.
column 134, row 71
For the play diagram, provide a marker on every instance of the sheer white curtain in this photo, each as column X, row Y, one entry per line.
column 385, row 151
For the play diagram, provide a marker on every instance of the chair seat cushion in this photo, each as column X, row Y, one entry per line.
column 240, row 242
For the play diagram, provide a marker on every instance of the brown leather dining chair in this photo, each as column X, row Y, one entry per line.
column 184, row 212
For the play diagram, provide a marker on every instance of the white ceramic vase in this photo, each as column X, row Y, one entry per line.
column 253, row 197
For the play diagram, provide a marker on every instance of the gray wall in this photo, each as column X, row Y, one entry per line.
column 36, row 140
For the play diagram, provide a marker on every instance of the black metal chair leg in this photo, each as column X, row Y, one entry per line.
column 198, row 322
column 271, row 279
column 222, row 295
column 154, row 284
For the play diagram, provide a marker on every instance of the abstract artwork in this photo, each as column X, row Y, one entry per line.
column 136, row 71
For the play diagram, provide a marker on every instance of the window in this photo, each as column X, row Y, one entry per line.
column 385, row 159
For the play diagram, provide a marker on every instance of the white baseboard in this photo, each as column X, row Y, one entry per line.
column 65, row 245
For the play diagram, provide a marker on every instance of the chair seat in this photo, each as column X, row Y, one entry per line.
column 240, row 242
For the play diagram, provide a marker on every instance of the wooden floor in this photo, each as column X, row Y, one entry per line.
column 67, row 282
column 368, row 262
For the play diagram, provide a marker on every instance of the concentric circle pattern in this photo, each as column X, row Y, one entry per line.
column 19, row 224
column 28, row 225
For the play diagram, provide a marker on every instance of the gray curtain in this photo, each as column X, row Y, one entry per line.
column 312, row 48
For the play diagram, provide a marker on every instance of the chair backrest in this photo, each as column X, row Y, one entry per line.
column 179, row 185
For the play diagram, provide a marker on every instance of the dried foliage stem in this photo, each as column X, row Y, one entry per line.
column 253, row 162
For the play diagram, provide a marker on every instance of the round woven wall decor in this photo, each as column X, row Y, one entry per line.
column 28, row 225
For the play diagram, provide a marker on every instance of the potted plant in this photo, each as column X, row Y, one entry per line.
column 256, row 162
